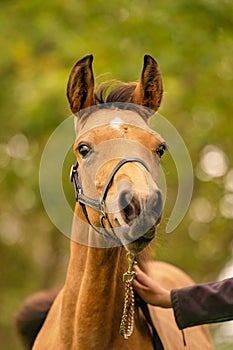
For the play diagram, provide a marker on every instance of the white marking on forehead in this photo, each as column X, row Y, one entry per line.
column 116, row 123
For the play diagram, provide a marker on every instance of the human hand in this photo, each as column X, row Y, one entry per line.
column 150, row 291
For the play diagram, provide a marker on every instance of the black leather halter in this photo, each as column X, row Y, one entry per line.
column 99, row 204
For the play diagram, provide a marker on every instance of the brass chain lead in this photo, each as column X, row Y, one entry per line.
column 127, row 321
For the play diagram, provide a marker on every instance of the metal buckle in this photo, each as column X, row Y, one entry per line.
column 102, row 208
column 73, row 170
column 130, row 274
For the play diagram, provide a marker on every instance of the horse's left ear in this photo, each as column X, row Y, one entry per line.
column 80, row 87
column 149, row 90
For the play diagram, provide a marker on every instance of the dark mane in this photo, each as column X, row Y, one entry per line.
column 114, row 91
column 112, row 95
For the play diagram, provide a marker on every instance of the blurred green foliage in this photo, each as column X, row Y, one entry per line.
column 40, row 41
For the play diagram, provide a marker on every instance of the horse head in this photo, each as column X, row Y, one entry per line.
column 117, row 153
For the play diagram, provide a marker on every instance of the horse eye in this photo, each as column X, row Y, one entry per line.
column 83, row 150
column 161, row 149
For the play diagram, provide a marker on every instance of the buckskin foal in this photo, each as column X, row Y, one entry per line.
column 119, row 206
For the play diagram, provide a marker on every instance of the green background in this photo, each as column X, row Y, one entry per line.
column 40, row 41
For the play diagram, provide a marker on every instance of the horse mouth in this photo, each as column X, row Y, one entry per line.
column 138, row 236
column 143, row 241
column 139, row 245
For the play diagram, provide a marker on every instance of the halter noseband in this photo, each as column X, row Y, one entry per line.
column 99, row 204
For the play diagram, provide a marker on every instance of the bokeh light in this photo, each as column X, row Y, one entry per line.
column 213, row 161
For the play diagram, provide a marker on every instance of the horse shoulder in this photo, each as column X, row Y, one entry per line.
column 171, row 277
column 168, row 276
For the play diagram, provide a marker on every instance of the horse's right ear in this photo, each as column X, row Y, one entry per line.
column 149, row 90
column 80, row 87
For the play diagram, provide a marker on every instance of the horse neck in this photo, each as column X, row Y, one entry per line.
column 93, row 296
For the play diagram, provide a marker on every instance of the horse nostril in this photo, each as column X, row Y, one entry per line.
column 130, row 206
column 158, row 204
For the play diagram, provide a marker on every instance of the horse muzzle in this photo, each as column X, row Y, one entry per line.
column 138, row 218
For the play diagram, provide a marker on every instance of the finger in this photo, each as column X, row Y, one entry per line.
column 136, row 284
column 138, row 271
column 141, row 276
column 140, row 289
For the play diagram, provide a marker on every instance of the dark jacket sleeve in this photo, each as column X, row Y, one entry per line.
column 203, row 303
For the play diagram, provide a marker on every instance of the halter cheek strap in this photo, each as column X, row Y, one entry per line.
column 99, row 204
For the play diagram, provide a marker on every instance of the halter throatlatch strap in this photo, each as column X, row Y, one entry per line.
column 99, row 204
